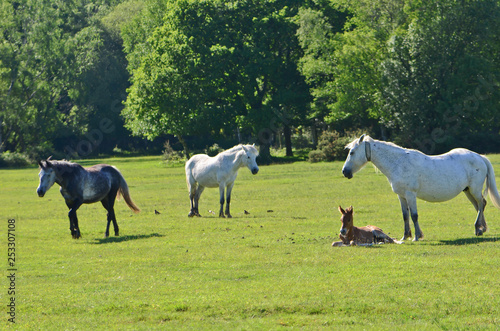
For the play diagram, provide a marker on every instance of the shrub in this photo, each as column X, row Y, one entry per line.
column 316, row 156
column 331, row 146
column 171, row 155
column 14, row 159
column 213, row 150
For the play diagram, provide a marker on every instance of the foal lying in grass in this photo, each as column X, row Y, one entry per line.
column 366, row 235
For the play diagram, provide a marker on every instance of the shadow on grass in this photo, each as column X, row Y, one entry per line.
column 125, row 238
column 468, row 241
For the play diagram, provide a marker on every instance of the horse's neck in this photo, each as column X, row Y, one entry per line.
column 384, row 156
column 352, row 233
column 64, row 173
column 233, row 160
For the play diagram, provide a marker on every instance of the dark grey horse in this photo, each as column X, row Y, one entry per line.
column 80, row 185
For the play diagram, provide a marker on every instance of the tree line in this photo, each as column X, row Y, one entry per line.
column 82, row 77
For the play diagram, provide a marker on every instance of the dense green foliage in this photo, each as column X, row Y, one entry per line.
column 257, row 271
column 422, row 73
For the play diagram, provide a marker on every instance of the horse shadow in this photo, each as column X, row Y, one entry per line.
column 468, row 241
column 99, row 241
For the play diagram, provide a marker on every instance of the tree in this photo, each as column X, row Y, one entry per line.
column 53, row 65
column 440, row 76
column 212, row 67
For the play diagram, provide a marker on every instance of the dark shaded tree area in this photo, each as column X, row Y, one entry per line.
column 81, row 77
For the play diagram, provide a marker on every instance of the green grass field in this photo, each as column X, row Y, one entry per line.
column 258, row 271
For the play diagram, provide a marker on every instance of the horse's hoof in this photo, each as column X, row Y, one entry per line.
column 229, row 216
column 191, row 214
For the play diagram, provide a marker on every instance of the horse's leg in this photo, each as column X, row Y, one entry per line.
column 105, row 204
column 115, row 223
column 108, row 203
column 477, row 200
column 199, row 191
column 192, row 193
column 73, row 220
column 221, row 192
column 228, row 199
column 406, row 217
column 411, row 199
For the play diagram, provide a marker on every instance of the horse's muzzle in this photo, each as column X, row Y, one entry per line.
column 343, row 232
column 255, row 171
column 347, row 173
column 40, row 192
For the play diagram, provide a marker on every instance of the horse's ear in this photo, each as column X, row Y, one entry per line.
column 342, row 211
column 361, row 138
column 349, row 210
column 40, row 163
column 244, row 148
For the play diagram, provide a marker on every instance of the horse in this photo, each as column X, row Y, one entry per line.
column 80, row 185
column 413, row 174
column 351, row 235
column 218, row 171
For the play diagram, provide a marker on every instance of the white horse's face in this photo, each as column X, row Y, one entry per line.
column 356, row 158
column 249, row 159
column 47, row 179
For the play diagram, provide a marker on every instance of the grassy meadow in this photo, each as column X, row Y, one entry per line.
column 273, row 268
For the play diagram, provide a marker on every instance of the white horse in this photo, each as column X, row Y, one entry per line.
column 413, row 175
column 218, row 171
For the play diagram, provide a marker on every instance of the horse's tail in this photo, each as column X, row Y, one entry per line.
column 123, row 190
column 491, row 185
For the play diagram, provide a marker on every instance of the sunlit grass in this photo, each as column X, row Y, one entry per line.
column 272, row 268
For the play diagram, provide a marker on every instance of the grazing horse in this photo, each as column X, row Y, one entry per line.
column 413, row 174
column 218, row 171
column 85, row 185
column 354, row 236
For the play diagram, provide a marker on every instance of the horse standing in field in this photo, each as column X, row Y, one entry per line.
column 353, row 236
column 85, row 185
column 218, row 171
column 413, row 174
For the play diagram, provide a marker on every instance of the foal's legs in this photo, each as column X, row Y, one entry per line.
column 228, row 199
column 479, row 203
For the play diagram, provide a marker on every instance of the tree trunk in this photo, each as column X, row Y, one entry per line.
column 184, row 146
column 265, row 153
column 288, row 140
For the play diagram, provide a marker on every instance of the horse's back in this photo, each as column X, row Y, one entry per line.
column 100, row 179
column 202, row 169
column 437, row 178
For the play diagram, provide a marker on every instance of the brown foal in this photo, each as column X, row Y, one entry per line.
column 366, row 235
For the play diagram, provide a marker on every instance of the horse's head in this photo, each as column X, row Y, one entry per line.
column 347, row 221
column 47, row 177
column 359, row 155
column 249, row 158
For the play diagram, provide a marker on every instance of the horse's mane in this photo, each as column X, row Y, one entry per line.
column 64, row 166
column 387, row 143
column 250, row 148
